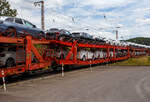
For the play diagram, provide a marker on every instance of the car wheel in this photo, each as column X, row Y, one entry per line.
column 84, row 58
column 10, row 62
column 53, row 66
column 11, row 32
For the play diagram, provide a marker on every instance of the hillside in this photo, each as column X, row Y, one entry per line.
column 140, row 40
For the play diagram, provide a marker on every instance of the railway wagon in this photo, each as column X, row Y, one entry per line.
column 52, row 52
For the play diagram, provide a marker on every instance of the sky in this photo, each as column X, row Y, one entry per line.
column 97, row 17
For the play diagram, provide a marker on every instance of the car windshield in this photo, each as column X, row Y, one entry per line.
column 29, row 24
column 65, row 32
column 88, row 35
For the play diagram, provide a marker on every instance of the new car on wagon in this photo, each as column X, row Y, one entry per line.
column 20, row 26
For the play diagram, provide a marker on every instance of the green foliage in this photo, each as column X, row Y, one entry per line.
column 142, row 61
column 5, row 9
column 140, row 40
column 149, row 59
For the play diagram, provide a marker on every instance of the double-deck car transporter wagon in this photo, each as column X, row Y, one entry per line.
column 47, row 56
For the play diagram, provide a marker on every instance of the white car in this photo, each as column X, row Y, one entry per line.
column 90, row 55
column 99, row 54
column 85, row 55
column 82, row 55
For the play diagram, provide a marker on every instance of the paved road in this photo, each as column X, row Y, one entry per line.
column 103, row 84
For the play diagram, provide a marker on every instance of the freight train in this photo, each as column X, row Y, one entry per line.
column 60, row 47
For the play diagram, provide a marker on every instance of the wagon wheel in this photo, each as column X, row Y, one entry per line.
column 54, row 67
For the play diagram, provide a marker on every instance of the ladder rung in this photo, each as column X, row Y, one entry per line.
column 20, row 53
column 20, row 58
column 20, row 45
column 19, row 48
column 20, row 61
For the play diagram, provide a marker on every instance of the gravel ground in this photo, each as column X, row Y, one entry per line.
column 103, row 84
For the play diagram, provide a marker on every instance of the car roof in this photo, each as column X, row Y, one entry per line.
column 14, row 17
column 80, row 33
column 53, row 29
column 64, row 29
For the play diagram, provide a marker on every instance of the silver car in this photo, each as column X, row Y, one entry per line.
column 9, row 56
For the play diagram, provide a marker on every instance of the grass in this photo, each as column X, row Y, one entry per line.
column 141, row 61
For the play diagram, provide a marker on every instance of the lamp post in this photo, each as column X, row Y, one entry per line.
column 41, row 3
column 117, row 32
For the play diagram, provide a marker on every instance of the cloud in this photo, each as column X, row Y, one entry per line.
column 99, row 4
column 100, row 17
column 143, row 21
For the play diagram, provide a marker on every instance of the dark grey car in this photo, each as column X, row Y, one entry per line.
column 21, row 27
column 83, row 37
column 60, row 34
column 99, row 40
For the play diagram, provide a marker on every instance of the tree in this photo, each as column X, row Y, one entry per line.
column 5, row 9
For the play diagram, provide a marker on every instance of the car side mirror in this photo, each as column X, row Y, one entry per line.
column 34, row 26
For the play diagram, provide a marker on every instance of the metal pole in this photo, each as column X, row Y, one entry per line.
column 62, row 70
column 116, row 34
column 42, row 15
column 90, row 66
column 41, row 3
column 4, row 83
